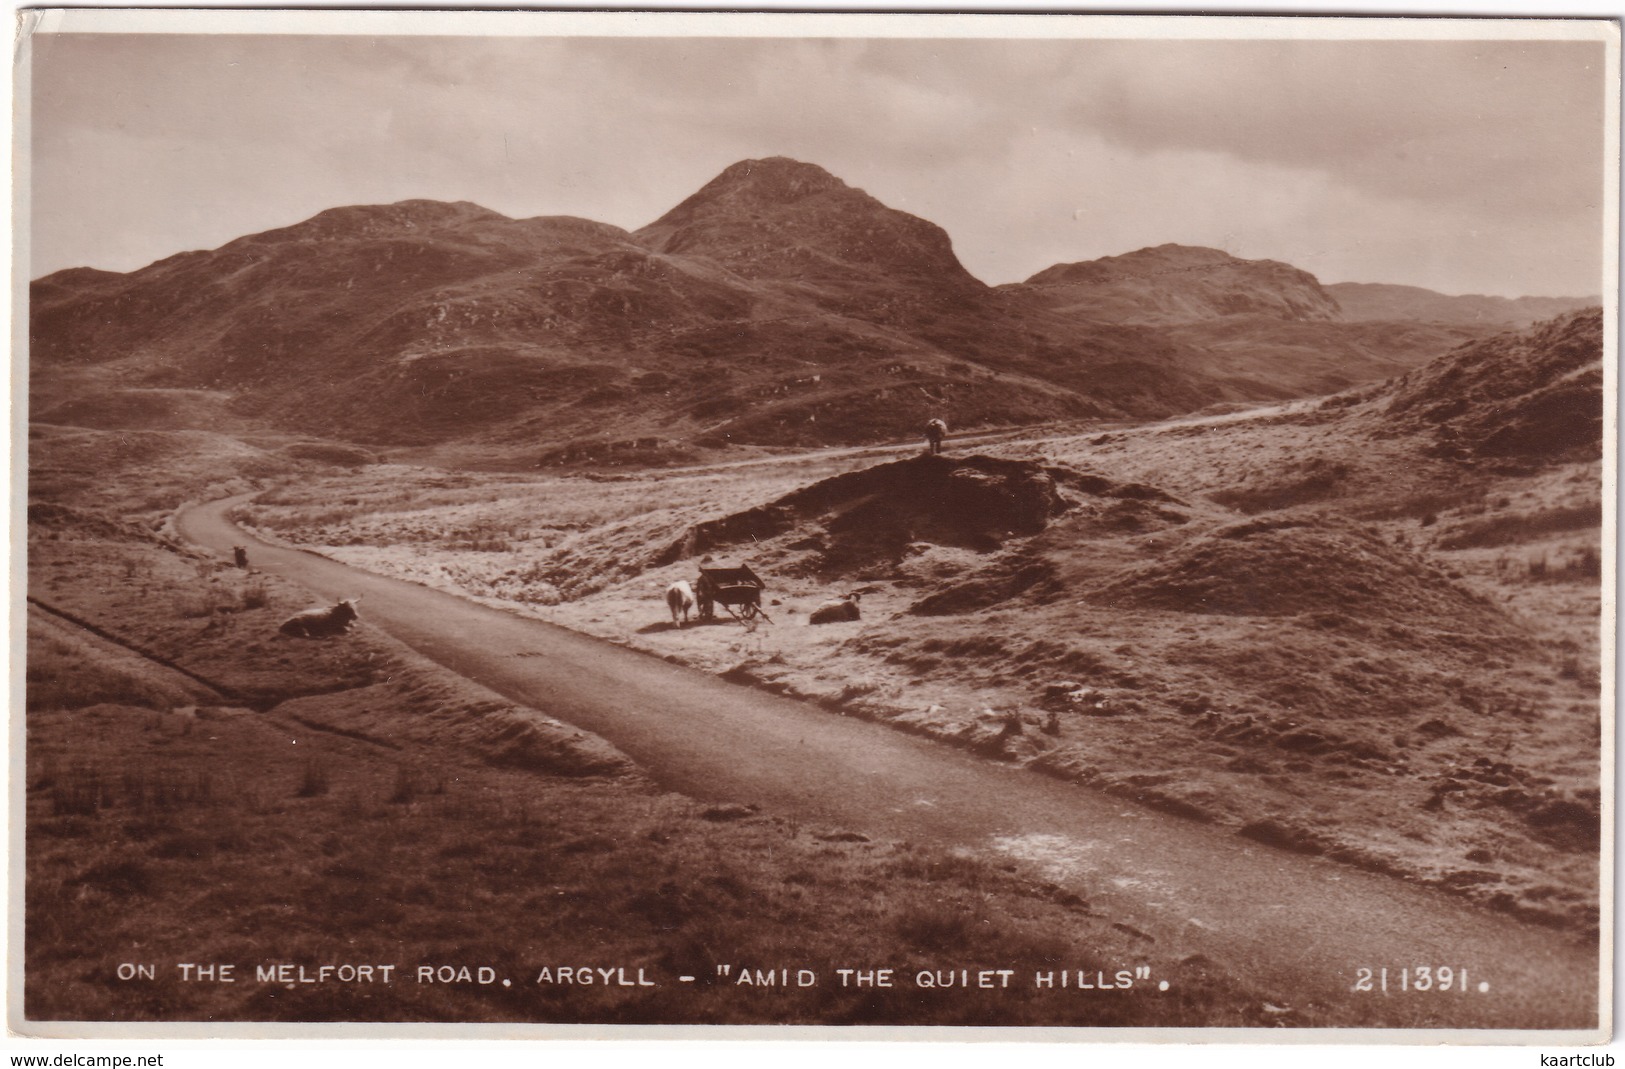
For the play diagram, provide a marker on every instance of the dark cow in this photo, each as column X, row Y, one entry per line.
column 322, row 623
column 935, row 432
column 832, row 612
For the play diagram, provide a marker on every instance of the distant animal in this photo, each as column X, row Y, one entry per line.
column 935, row 432
column 321, row 623
column 832, row 612
column 680, row 600
column 240, row 555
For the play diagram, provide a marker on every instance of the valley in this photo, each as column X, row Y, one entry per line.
column 1277, row 625
column 1218, row 562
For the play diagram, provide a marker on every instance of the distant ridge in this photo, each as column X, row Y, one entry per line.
column 1364, row 301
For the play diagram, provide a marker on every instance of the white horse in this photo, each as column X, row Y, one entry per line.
column 680, row 600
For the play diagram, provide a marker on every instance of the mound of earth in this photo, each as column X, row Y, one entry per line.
column 105, row 454
column 994, row 585
column 875, row 514
column 1532, row 394
column 139, row 472
column 1283, row 567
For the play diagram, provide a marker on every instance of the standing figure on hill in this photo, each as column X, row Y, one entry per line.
column 935, row 432
column 239, row 554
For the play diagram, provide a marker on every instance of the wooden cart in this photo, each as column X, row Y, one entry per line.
column 737, row 590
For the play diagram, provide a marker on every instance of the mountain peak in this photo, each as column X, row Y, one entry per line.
column 774, row 180
column 783, row 219
column 752, row 186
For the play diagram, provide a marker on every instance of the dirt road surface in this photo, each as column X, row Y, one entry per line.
column 1035, row 436
column 1299, row 926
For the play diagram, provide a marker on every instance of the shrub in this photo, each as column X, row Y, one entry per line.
column 79, row 793
column 314, row 780
column 167, row 788
column 123, row 879
column 935, row 927
column 406, row 787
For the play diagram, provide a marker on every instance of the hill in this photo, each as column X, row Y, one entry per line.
column 1179, row 284
column 1534, row 394
column 776, row 305
column 1265, row 329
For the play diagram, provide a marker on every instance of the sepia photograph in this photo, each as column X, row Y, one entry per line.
column 575, row 523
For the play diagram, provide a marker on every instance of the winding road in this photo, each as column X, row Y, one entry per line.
column 1298, row 926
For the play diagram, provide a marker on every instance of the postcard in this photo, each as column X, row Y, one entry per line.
column 912, row 526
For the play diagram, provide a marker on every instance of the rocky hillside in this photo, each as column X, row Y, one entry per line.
column 1531, row 394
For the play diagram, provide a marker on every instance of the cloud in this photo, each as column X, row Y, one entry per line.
column 1461, row 165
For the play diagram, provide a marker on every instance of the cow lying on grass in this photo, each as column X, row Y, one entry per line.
column 321, row 623
column 835, row 611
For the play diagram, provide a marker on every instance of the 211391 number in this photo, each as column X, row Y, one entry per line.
column 1414, row 978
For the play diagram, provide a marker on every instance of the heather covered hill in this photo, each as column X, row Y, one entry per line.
column 1364, row 301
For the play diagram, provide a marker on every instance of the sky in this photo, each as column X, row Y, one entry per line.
column 1461, row 166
